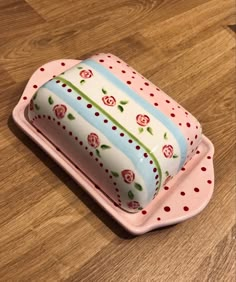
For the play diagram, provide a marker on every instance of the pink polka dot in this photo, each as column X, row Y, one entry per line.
column 69, row 90
column 188, row 124
column 203, row 168
column 186, row 208
column 128, row 82
column 41, row 69
column 182, row 193
column 166, row 209
column 24, row 98
column 63, row 64
column 196, row 189
column 209, row 181
column 35, row 86
column 144, row 212
column 101, row 61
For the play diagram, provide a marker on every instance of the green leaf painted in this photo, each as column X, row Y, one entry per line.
column 124, row 102
column 149, row 130
column 37, row 107
column 82, row 81
column 120, row 108
column 175, row 156
column 140, row 129
column 167, row 173
column 138, row 186
column 98, row 153
column 79, row 68
column 115, row 174
column 35, row 95
column 70, row 117
column 50, row 100
column 104, row 147
column 130, row 195
column 165, row 136
column 104, row 91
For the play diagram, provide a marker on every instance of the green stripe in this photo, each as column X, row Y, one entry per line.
column 114, row 121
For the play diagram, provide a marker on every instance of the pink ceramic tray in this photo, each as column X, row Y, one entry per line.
column 186, row 195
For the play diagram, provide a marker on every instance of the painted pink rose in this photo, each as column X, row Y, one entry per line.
column 142, row 120
column 93, row 140
column 128, row 175
column 168, row 151
column 31, row 105
column 109, row 100
column 133, row 205
column 60, row 110
column 86, row 74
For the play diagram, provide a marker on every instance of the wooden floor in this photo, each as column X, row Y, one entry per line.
column 50, row 230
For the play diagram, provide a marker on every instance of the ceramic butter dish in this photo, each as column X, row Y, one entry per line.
column 124, row 133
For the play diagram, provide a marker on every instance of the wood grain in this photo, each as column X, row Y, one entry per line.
column 51, row 230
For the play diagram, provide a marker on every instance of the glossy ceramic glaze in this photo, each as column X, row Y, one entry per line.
column 122, row 131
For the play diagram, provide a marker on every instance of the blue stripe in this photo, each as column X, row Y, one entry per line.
column 146, row 105
column 141, row 164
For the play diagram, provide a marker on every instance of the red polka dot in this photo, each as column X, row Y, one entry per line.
column 86, row 148
column 53, row 76
column 76, row 138
column 63, row 64
column 123, row 71
column 121, row 134
column 118, row 62
column 53, row 119
column 188, row 124
column 114, row 127
column 145, row 155
column 166, row 188
column 144, row 212
column 110, row 67
column 134, row 72
column 58, row 123
column 186, row 208
column 196, row 189
column 180, row 124
column 141, row 89
column 97, row 114
column 173, row 115
column 151, row 94
column 89, row 106
column 173, row 109
column 133, row 77
column 106, row 170
column 117, row 190
column 157, row 182
column 118, row 196
column 137, row 147
column 114, row 183
column 96, row 159
column 101, row 61
column 166, row 209
column 182, row 193
column 41, row 69
column 24, row 98
column 146, row 83
column 110, row 177
column 35, row 86
column 101, row 165
column 167, row 101
column 79, row 98
column 39, row 116
column 195, row 136
column 156, row 104
column 91, row 154
column 157, row 89
column 156, row 177
column 154, row 169
column 63, row 85
column 209, row 157
column 70, row 133
column 203, row 168
column 188, row 138
column 44, row 116
column 186, row 113
column 209, row 181
column 158, row 218
column 81, row 143
column 64, row 127
column 128, row 82
column 191, row 143
column 69, row 90
column 198, row 152
column 130, row 141
column 183, row 168
column 151, row 162
column 49, row 117
column 109, row 56
column 105, row 121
